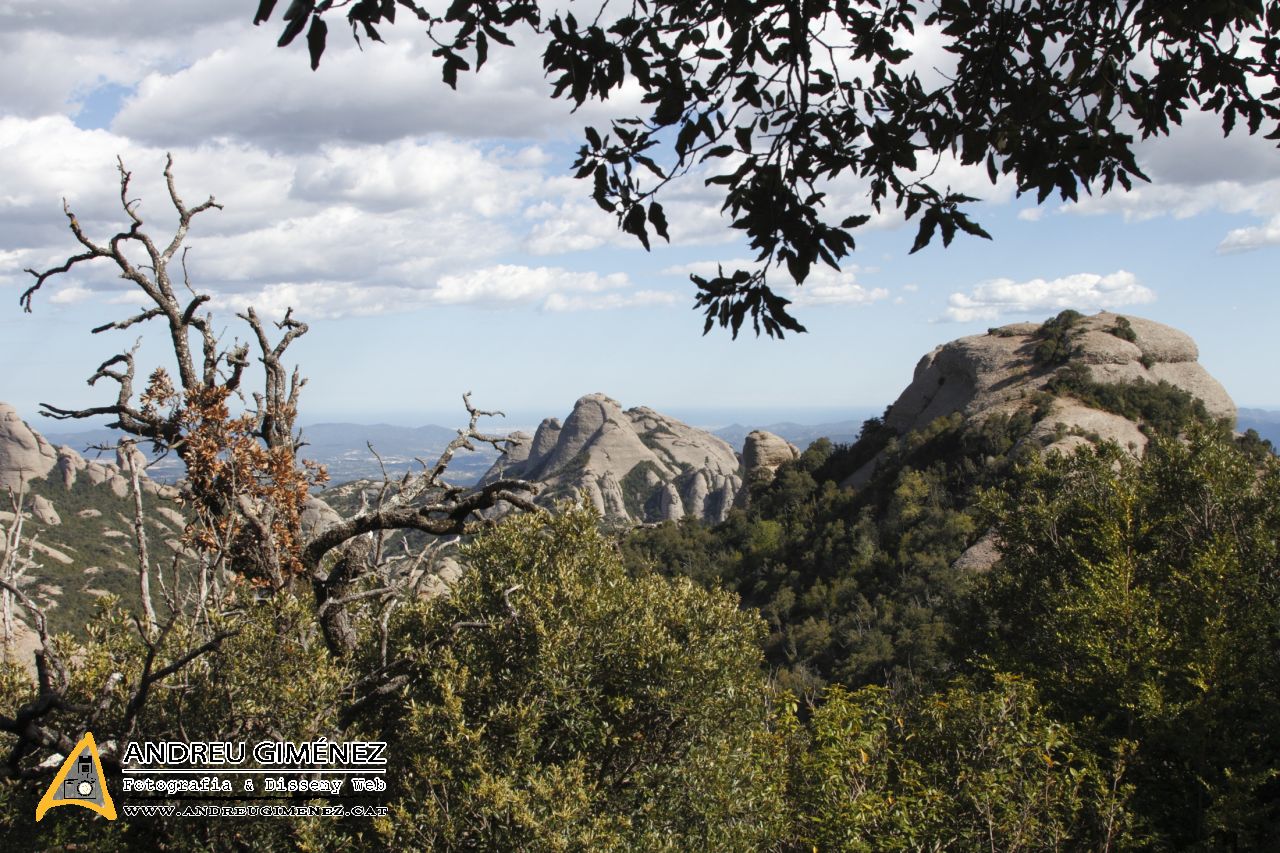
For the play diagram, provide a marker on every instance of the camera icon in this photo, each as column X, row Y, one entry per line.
column 82, row 787
column 77, row 789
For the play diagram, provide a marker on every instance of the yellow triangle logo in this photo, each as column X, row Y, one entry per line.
column 80, row 783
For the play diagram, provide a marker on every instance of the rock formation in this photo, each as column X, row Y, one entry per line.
column 982, row 375
column 763, row 452
column 44, row 511
column 635, row 465
column 998, row 373
column 24, row 453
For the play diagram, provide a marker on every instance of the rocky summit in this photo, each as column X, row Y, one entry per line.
column 635, row 465
column 999, row 372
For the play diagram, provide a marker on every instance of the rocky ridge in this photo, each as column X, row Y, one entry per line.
column 77, row 525
column 634, row 465
column 26, row 455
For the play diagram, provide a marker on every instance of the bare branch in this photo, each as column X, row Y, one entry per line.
column 127, row 451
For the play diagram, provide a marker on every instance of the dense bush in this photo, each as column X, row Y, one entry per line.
column 1142, row 597
column 857, row 587
column 962, row 769
column 1158, row 407
column 1055, row 339
column 556, row 703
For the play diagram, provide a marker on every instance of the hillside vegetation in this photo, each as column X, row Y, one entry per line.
column 993, row 642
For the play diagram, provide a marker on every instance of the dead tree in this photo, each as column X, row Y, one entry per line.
column 245, row 485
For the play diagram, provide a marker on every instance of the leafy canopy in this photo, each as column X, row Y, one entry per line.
column 775, row 99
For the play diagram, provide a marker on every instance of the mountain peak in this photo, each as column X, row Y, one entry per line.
column 635, row 464
column 1052, row 366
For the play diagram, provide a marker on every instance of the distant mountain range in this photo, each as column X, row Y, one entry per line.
column 344, row 447
column 801, row 435
column 1266, row 422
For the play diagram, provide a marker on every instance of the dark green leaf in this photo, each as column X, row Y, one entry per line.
column 315, row 40
column 658, row 219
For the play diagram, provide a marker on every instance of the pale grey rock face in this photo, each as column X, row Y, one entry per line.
column 43, row 510
column 762, row 454
column 670, row 507
column 696, row 491
column 514, row 456
column 544, row 439
column 983, row 373
column 1083, row 424
column 518, row 446
column 160, row 490
column 122, row 461
column 588, row 419
column 70, row 463
column 636, row 464
column 980, row 556
column 24, row 453
column 178, row 521
column 317, row 516
column 611, row 493
column 717, row 505
column 96, row 472
column 445, row 575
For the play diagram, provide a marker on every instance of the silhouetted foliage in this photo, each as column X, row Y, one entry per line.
column 772, row 101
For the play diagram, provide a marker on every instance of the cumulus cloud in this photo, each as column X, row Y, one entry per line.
column 507, row 284
column 825, row 286
column 70, row 293
column 1196, row 170
column 495, row 287
column 362, row 227
column 1082, row 291
column 1256, row 237
column 706, row 269
column 253, row 91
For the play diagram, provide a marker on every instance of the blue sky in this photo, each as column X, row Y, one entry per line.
column 435, row 243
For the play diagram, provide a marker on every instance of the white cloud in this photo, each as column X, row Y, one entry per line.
column 1246, row 239
column 1082, row 291
column 825, row 286
column 254, row 91
column 508, row 284
column 495, row 287
column 70, row 293
column 1196, row 170
column 1031, row 214
column 384, row 220
column 596, row 302
column 707, row 269
column 325, row 300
